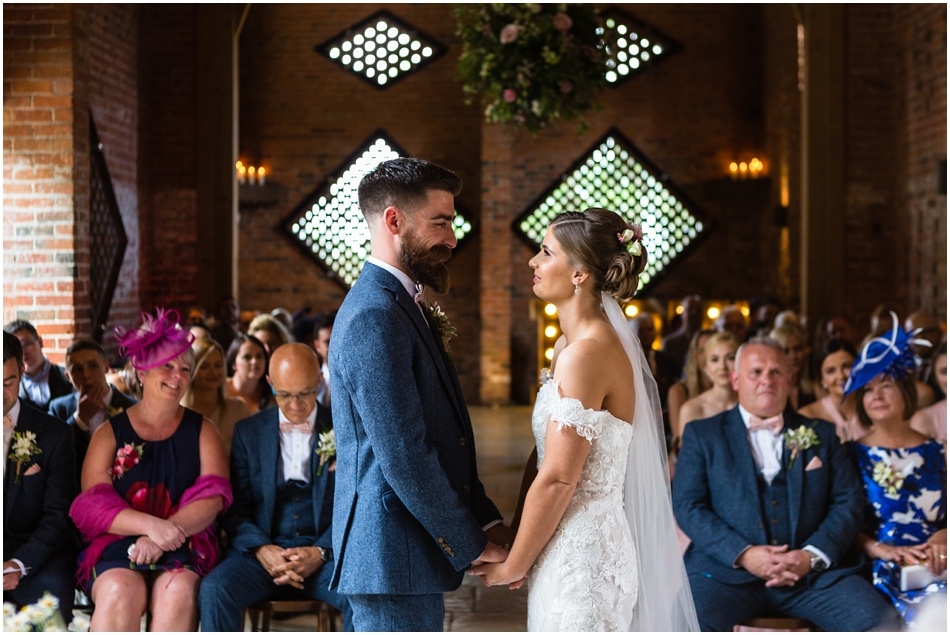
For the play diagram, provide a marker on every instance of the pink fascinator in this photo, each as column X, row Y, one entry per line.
column 158, row 340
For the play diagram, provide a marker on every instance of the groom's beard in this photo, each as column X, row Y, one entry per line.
column 425, row 265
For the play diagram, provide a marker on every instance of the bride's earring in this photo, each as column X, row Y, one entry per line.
column 577, row 289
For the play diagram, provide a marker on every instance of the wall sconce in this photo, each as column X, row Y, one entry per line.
column 250, row 175
column 741, row 170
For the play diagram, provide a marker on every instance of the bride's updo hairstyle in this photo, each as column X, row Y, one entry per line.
column 604, row 245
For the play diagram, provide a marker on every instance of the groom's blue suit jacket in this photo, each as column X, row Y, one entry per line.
column 717, row 503
column 409, row 506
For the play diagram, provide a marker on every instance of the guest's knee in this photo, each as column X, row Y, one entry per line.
column 118, row 592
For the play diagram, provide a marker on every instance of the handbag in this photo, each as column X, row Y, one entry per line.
column 917, row 576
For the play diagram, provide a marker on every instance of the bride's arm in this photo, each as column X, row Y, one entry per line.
column 530, row 472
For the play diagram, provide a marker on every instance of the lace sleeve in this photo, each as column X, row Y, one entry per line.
column 570, row 412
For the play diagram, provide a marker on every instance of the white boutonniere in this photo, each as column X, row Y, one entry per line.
column 326, row 448
column 799, row 440
column 442, row 325
column 23, row 448
column 887, row 477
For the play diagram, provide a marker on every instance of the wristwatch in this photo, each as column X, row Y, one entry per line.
column 816, row 564
column 325, row 554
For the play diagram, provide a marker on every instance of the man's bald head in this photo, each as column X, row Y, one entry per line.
column 294, row 374
column 296, row 357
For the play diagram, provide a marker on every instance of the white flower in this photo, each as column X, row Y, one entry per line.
column 80, row 623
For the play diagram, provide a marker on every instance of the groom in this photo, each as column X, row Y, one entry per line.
column 771, row 526
column 410, row 514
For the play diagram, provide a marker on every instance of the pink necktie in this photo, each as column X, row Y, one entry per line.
column 305, row 427
column 772, row 423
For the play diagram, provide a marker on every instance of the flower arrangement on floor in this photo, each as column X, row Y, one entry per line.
column 42, row 615
column 531, row 63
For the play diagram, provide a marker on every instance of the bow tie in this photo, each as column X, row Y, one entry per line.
column 772, row 423
column 287, row 426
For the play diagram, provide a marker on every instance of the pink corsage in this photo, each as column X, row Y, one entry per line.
column 127, row 457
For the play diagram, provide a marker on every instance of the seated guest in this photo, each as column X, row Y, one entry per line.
column 834, row 367
column 676, row 344
column 733, row 321
column 932, row 420
column 206, row 392
column 791, row 337
column 39, row 483
column 225, row 324
column 94, row 401
column 154, row 480
column 247, row 366
column 42, row 381
column 719, row 358
column 322, row 329
column 270, row 331
column 904, row 475
column 772, row 504
column 695, row 381
column 279, row 526
column 124, row 380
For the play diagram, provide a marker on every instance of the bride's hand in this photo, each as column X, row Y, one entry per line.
column 494, row 574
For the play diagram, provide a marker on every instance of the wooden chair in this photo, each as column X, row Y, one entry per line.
column 262, row 612
column 774, row 624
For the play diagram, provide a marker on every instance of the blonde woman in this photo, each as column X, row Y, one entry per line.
column 206, row 393
column 719, row 358
column 694, row 383
column 791, row 337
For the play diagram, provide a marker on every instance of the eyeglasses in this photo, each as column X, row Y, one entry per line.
column 303, row 396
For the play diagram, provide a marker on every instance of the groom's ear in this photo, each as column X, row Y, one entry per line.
column 393, row 219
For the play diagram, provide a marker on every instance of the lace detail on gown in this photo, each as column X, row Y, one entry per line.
column 585, row 579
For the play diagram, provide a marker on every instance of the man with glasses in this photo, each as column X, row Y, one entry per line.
column 279, row 523
column 42, row 381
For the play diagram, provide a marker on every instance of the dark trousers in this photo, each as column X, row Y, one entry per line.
column 240, row 580
column 848, row 604
column 398, row 613
column 56, row 576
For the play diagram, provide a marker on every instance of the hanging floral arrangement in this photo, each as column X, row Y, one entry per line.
column 531, row 64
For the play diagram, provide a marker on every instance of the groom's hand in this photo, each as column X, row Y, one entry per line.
column 492, row 553
column 501, row 535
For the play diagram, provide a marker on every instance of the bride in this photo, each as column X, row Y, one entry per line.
column 596, row 541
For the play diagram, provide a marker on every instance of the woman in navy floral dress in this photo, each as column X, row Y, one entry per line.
column 904, row 475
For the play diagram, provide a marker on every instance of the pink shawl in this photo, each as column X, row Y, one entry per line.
column 94, row 510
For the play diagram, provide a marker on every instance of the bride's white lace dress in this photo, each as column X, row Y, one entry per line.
column 585, row 579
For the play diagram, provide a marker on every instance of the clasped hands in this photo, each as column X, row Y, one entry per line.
column 777, row 565
column 932, row 553
column 492, row 566
column 163, row 535
column 291, row 566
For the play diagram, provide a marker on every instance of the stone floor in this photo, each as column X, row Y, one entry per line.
column 504, row 441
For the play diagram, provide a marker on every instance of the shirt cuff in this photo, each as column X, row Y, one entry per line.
column 490, row 525
column 19, row 564
column 818, row 552
column 735, row 563
column 79, row 421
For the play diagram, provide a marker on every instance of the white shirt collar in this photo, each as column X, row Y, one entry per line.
column 15, row 412
column 401, row 275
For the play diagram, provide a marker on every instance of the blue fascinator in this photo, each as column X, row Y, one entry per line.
column 888, row 354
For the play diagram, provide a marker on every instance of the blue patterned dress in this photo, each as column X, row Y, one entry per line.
column 907, row 503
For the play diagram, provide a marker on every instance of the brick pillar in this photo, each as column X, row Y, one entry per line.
column 495, row 276
column 40, row 187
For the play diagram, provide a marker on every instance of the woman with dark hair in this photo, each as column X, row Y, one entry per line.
column 932, row 420
column 596, row 536
column 904, row 475
column 247, row 372
column 154, row 481
column 834, row 366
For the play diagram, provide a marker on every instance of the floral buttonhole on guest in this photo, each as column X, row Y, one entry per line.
column 126, row 457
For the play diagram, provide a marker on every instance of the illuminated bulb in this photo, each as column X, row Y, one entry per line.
column 712, row 312
column 743, row 167
column 251, row 170
column 239, row 165
column 549, row 354
column 260, row 176
column 680, row 309
column 744, row 310
column 550, row 331
column 550, row 309
column 733, row 167
column 631, row 311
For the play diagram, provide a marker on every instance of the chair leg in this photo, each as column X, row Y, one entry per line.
column 265, row 620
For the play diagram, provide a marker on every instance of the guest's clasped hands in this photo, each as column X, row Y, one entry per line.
column 163, row 535
column 776, row 564
column 932, row 553
column 289, row 566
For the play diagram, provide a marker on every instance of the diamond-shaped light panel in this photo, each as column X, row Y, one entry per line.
column 615, row 176
column 329, row 225
column 381, row 50
column 632, row 46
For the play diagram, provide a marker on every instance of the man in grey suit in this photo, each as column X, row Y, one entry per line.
column 410, row 514
column 772, row 505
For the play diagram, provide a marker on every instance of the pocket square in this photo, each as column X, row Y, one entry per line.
column 33, row 469
column 814, row 464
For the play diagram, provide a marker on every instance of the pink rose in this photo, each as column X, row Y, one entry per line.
column 510, row 95
column 509, row 34
column 562, row 22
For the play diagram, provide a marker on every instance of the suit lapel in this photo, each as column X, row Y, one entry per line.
column 11, row 488
column 794, row 476
column 746, row 469
column 269, row 457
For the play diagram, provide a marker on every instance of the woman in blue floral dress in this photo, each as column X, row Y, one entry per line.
column 904, row 475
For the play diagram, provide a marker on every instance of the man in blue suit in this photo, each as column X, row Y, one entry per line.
column 772, row 506
column 38, row 548
column 95, row 399
column 279, row 523
column 411, row 514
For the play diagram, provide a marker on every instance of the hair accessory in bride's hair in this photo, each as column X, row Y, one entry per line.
column 631, row 238
column 158, row 340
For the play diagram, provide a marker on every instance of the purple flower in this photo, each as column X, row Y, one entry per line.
column 509, row 34
column 510, row 95
column 566, row 87
column 562, row 22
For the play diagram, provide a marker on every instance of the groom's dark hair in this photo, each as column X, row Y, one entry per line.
column 404, row 183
